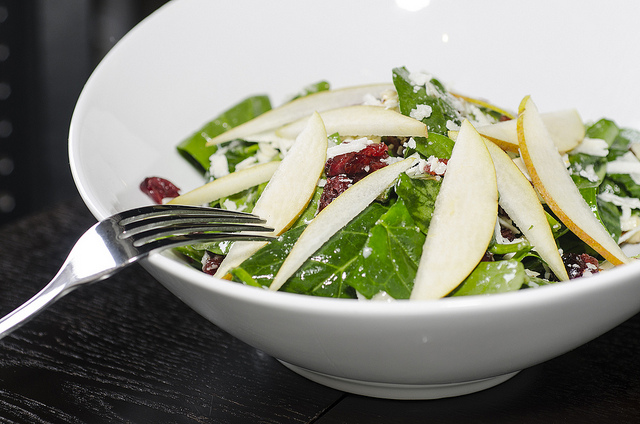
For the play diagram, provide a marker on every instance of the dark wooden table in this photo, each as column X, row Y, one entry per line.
column 127, row 351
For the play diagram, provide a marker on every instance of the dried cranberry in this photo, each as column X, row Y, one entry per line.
column 211, row 262
column 579, row 263
column 507, row 233
column 333, row 188
column 361, row 163
column 158, row 188
column 488, row 257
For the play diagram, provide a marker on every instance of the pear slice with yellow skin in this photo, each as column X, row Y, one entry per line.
column 288, row 192
column 565, row 127
column 336, row 215
column 299, row 108
column 362, row 120
column 229, row 184
column 520, row 201
column 553, row 181
column 485, row 104
column 463, row 220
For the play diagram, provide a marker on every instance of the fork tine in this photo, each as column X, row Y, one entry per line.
column 179, row 222
column 186, row 239
column 160, row 212
column 180, row 229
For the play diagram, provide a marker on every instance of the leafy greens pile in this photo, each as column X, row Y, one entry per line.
column 378, row 252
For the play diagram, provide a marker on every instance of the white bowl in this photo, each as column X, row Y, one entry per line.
column 194, row 58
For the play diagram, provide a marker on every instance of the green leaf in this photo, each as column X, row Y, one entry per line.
column 325, row 272
column 493, row 277
column 390, row 257
column 419, row 197
column 194, row 148
column 436, row 145
column 312, row 88
column 604, row 129
column 410, row 96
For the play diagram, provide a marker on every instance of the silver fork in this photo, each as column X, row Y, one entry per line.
column 125, row 238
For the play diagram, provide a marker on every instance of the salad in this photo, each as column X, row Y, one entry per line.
column 408, row 190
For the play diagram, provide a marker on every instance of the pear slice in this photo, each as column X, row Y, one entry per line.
column 485, row 104
column 463, row 220
column 336, row 215
column 565, row 127
column 362, row 120
column 520, row 201
column 288, row 192
column 299, row 108
column 229, row 184
column 553, row 181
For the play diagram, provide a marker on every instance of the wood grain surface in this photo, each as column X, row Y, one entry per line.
column 127, row 351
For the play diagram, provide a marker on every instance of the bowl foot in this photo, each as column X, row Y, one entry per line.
column 400, row 391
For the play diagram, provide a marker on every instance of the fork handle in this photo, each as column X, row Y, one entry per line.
column 59, row 286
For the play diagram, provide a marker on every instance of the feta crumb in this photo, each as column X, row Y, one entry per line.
column 452, row 126
column 593, row 147
column 419, row 78
column 436, row 166
column 421, row 112
column 366, row 252
column 630, row 202
column 411, row 143
column 589, row 173
column 348, row 147
column 219, row 166
column 626, row 164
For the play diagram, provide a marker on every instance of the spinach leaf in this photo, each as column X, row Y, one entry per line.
column 604, row 129
column 493, row 277
column 410, row 96
column 325, row 272
column 390, row 257
column 194, row 148
column 436, row 145
column 419, row 196
column 312, row 88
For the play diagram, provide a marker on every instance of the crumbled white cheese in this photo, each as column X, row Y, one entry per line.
column 589, row 173
column 452, row 126
column 366, row 252
column 411, row 143
column 626, row 164
column 629, row 202
column 231, row 205
column 219, row 166
column 348, row 147
column 421, row 112
column 593, row 147
column 419, row 78
column 436, row 166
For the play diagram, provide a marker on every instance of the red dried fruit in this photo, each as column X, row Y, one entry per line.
column 361, row 163
column 211, row 262
column 333, row 188
column 159, row 188
column 577, row 264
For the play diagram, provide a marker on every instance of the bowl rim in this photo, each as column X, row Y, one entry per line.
column 534, row 297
